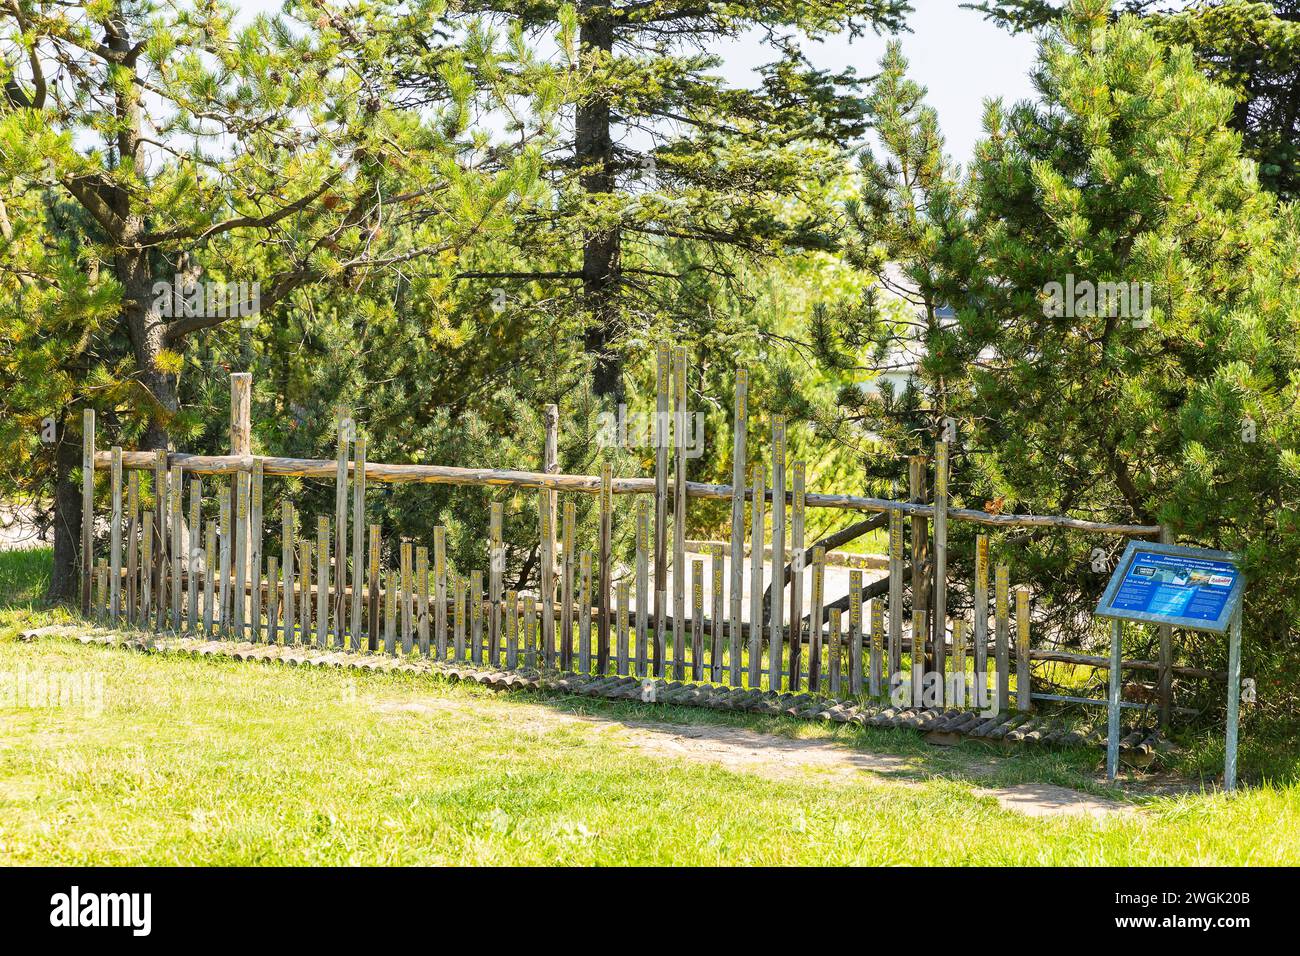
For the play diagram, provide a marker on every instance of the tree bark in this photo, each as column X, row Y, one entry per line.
column 67, row 519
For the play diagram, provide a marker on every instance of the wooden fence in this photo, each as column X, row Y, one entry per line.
column 332, row 590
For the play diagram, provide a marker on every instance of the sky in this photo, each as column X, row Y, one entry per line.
column 955, row 53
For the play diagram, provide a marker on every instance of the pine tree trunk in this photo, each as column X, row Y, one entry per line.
column 601, row 249
column 67, row 520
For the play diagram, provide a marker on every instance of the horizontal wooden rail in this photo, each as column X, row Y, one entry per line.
column 588, row 484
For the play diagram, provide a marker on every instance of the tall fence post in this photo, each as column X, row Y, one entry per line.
column 241, row 430
column 679, row 516
column 606, row 568
column 738, row 434
column 920, row 536
column 87, row 506
column 756, row 577
column 941, row 565
column 662, row 438
column 981, row 620
column 345, row 430
column 1024, row 680
column 776, row 634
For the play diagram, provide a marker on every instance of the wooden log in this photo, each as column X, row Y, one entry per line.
column 88, row 504
column 255, row 549
column 776, row 635
column 816, row 620
column 546, row 582
column 373, row 570
column 1001, row 634
column 422, row 598
column 606, row 538
column 642, row 586
column 241, row 551
column 304, row 586
column 530, row 632
column 101, row 590
column 877, row 647
column 584, row 613
column 918, row 658
column 717, row 624
column 322, row 582
column 697, row 620
column 115, row 540
column 223, row 578
column 679, row 514
column 566, row 588
column 132, row 553
column 161, row 539
column 921, row 591
column 855, row 632
column 287, row 569
column 338, row 610
column 196, row 553
column 512, row 629
column 756, row 532
column 390, row 612
column 440, row 592
column 358, row 539
column 241, row 433
column 272, row 597
column 941, row 565
column 1024, row 683
column 620, row 621
column 738, row 436
column 209, row 578
column 146, row 569
column 981, row 632
column 458, row 600
column 796, row 581
column 959, row 662
column 476, row 616
column 834, row 653
column 496, row 573
column 662, row 437
column 404, row 559
column 895, row 593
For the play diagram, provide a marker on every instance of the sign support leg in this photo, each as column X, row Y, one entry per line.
column 1234, row 703
column 1112, row 724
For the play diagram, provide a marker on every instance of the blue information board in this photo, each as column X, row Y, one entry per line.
column 1168, row 584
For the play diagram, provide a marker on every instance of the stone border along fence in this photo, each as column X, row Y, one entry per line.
column 310, row 593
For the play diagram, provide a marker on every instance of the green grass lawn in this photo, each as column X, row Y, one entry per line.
column 214, row 761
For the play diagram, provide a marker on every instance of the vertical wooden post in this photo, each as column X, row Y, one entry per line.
column 322, row 581
column 620, row 629
column 877, row 645
column 132, row 555
column 941, row 565
column 738, row 435
column 115, row 539
column 584, row 613
column 567, row 538
column 241, row 551
column 716, row 623
column 679, row 516
column 606, row 537
column 496, row 571
column 224, row 581
column 344, row 432
column 176, row 495
column 373, row 571
column 390, row 613
column 1001, row 635
column 855, row 632
column 458, row 600
column 642, row 584
column 895, row 592
column 815, row 615
column 546, row 582
column 697, row 620
column 87, row 505
column 776, row 635
column 982, row 621
column 146, row 565
column 1112, row 702
column 476, row 616
column 530, row 631
column 304, row 585
column 160, row 537
column 209, row 577
column 272, row 597
column 1024, row 682
column 404, row 558
column 1166, row 634
column 551, row 464
column 918, row 658
column 241, row 424
column 196, row 551
column 286, row 569
column 1234, row 702
column 422, row 598
column 101, row 591
column 756, row 532
column 255, row 550
column 512, row 629
column 796, row 577
column 920, row 536
column 662, row 437
column 440, row 591
column 833, row 661
column 358, row 536
column 958, row 698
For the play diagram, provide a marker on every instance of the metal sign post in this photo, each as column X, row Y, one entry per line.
column 1192, row 588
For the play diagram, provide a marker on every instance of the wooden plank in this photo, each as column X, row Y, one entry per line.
column 476, row 616
column 679, row 514
column 241, row 429
column 404, row 562
column 941, row 564
column 322, row 582
column 918, row 658
column 1024, row 681
column 776, row 627
column 146, row 564
column 343, row 436
column 87, row 505
column 981, row 633
column 286, row 569
column 132, row 554
column 223, row 574
column 606, row 568
column 834, row 655
column 1002, row 627
column 875, row 681
column 895, row 593
column 390, row 612
column 305, row 554
column 101, row 590
column 209, row 578
column 756, row 532
column 697, row 620
column 855, row 632
column 115, row 540
column 717, row 622
column 958, row 698
column 815, row 619
column 458, row 583
column 917, row 492
column 642, row 586
column 175, row 501
column 358, row 537
column 530, row 631
column 738, row 435
column 584, row 613
column 512, row 629
column 196, row 553
column 796, row 575
column 566, row 588
column 373, row 570
column 160, row 538
column 496, row 571
column 241, row 552
column 546, row 578
column 662, row 437
column 440, row 591
column 255, row 519
column 422, row 598
column 272, row 597
column 620, row 629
